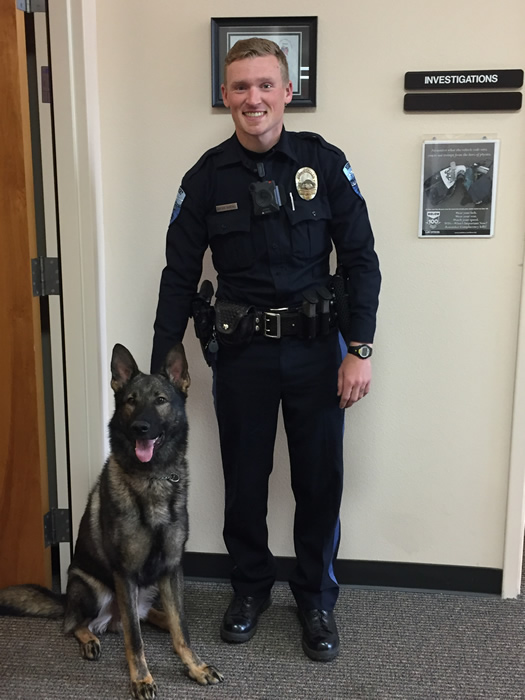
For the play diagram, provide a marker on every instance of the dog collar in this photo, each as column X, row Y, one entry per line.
column 174, row 478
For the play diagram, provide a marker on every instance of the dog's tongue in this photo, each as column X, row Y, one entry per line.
column 144, row 450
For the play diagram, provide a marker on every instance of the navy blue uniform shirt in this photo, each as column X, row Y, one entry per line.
column 267, row 260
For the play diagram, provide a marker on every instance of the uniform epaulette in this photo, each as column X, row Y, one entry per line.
column 202, row 160
column 317, row 137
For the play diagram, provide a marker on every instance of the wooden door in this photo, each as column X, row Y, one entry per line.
column 23, row 467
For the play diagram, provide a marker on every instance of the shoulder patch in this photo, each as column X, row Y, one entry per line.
column 181, row 196
column 349, row 173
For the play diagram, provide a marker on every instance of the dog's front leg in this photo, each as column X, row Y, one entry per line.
column 142, row 684
column 171, row 594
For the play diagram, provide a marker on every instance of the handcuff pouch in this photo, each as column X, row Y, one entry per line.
column 234, row 323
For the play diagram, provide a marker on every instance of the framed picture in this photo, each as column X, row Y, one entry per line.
column 458, row 188
column 296, row 36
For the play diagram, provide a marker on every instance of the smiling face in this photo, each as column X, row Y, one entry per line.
column 256, row 95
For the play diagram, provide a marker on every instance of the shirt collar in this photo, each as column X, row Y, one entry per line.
column 233, row 152
column 284, row 145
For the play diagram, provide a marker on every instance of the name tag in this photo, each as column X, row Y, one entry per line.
column 226, row 207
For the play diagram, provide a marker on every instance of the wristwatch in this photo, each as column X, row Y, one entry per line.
column 362, row 351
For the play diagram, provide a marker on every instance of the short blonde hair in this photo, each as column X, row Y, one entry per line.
column 257, row 47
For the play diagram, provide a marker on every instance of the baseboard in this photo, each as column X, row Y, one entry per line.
column 464, row 579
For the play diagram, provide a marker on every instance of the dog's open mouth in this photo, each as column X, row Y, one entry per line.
column 144, row 448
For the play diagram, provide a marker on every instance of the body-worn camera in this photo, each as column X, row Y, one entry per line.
column 266, row 197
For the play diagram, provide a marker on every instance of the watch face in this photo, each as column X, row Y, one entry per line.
column 364, row 351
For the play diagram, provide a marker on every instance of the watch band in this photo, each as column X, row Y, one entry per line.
column 363, row 351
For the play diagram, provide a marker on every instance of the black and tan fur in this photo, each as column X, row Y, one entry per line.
column 133, row 531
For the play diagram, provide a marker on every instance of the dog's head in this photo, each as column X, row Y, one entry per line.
column 149, row 423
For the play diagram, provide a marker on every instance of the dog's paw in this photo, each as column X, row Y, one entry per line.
column 205, row 675
column 144, row 690
column 90, row 650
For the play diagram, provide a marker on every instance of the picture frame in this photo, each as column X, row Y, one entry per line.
column 458, row 188
column 297, row 36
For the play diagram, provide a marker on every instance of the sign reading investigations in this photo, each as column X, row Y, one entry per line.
column 458, row 189
column 463, row 79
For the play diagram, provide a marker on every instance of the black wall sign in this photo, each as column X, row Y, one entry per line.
column 462, row 101
column 464, row 80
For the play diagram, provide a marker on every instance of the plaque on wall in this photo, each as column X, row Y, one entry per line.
column 463, row 102
column 463, row 79
column 458, row 188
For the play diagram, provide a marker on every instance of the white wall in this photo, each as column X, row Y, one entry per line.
column 427, row 452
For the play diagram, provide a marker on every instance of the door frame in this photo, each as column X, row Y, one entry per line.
column 515, row 525
column 72, row 36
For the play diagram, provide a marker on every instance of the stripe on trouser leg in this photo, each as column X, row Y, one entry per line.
column 337, row 534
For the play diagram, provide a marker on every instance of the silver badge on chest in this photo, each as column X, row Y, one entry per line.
column 306, row 183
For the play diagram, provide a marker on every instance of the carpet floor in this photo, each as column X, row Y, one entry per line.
column 394, row 645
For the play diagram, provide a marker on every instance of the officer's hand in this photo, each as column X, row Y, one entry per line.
column 353, row 380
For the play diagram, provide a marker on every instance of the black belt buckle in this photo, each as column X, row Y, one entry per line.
column 268, row 322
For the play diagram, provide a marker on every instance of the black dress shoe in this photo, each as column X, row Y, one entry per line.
column 320, row 636
column 239, row 623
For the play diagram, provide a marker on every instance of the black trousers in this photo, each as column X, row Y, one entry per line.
column 250, row 384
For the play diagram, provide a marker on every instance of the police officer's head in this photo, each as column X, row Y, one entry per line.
column 253, row 48
column 256, row 90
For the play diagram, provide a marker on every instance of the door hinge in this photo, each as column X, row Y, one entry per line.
column 45, row 81
column 46, row 276
column 57, row 527
column 31, row 5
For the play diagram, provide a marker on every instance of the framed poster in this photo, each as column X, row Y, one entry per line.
column 296, row 36
column 458, row 188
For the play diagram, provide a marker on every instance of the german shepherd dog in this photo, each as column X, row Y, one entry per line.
column 133, row 531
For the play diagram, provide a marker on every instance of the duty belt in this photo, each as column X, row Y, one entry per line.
column 277, row 323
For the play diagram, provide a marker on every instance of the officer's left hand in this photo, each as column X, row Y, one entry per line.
column 353, row 380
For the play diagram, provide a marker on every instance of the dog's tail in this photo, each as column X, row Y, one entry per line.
column 31, row 601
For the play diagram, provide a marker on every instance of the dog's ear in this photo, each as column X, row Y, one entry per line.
column 176, row 368
column 123, row 367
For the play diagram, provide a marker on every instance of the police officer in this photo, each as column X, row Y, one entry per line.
column 270, row 204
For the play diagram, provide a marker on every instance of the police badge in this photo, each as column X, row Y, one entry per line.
column 306, row 183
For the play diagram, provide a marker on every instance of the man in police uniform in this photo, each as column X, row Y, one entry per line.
column 270, row 204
